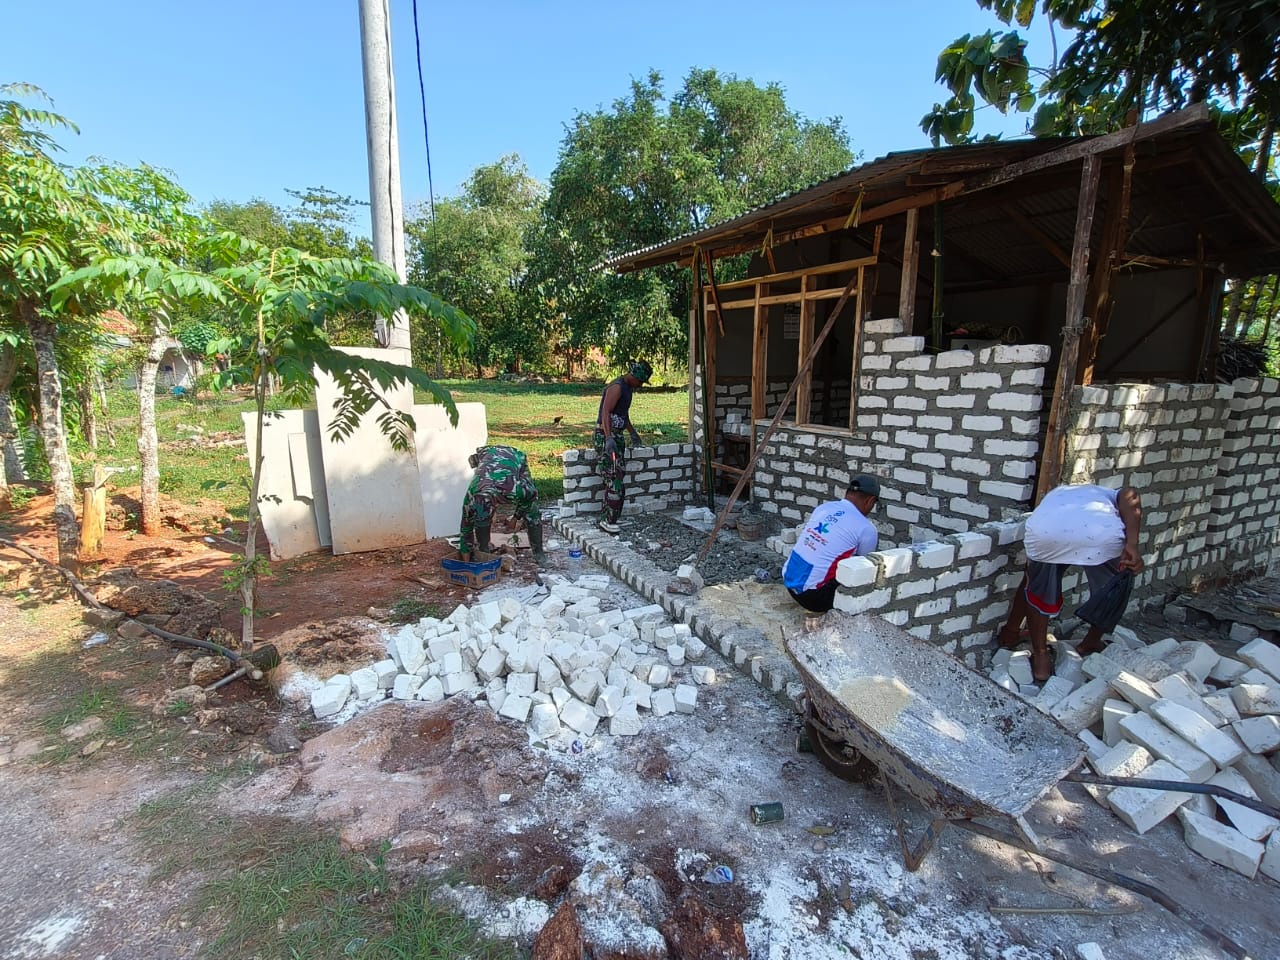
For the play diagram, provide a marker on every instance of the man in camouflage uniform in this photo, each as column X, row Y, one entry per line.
column 501, row 477
column 613, row 418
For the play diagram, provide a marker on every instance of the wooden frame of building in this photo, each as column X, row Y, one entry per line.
column 1113, row 249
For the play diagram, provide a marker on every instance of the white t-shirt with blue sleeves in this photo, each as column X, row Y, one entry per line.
column 833, row 531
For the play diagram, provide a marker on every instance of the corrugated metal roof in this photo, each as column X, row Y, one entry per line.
column 1187, row 183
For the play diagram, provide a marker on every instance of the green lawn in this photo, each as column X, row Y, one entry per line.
column 523, row 415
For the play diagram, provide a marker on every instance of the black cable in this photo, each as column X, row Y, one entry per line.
column 431, row 190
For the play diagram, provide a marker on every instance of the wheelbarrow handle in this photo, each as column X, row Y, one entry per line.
column 1180, row 786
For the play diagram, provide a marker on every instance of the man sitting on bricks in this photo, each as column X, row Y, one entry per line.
column 1090, row 526
column 501, row 477
column 833, row 531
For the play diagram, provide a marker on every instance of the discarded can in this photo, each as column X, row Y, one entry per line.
column 762, row 575
column 802, row 742
column 766, row 813
column 576, row 746
column 720, row 874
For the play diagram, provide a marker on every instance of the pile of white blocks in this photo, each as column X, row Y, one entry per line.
column 561, row 665
column 1173, row 711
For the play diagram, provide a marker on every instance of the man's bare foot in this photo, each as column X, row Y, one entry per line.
column 1011, row 641
column 1088, row 646
column 1041, row 665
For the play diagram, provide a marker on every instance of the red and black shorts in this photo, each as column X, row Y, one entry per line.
column 1044, row 585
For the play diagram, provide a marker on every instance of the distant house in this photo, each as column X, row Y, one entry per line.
column 179, row 367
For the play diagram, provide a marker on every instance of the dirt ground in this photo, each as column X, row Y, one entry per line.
column 628, row 828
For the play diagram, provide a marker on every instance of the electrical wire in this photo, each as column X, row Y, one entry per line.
column 431, row 190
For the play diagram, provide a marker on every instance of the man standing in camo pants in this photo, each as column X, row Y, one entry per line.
column 613, row 419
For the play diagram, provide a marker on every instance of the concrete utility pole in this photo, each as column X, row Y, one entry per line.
column 385, row 201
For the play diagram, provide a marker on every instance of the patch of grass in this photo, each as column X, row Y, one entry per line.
column 411, row 610
column 286, row 889
column 86, row 705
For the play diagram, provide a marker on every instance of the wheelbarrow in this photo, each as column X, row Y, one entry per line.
column 879, row 702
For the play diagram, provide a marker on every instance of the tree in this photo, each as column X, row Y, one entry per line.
column 279, row 300
column 51, row 220
column 1126, row 57
column 651, row 169
column 473, row 254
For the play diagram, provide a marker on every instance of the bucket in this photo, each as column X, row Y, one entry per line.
column 750, row 528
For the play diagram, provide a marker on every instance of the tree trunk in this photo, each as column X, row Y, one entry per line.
column 1234, row 301
column 148, row 445
column 249, row 573
column 88, row 415
column 53, row 433
column 12, row 470
column 100, row 391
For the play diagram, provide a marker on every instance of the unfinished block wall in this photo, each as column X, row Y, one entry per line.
column 1203, row 457
column 952, row 434
column 656, row 478
column 952, row 592
column 1244, row 522
column 733, row 405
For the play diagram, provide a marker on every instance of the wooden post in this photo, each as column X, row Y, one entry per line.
column 857, row 355
column 1114, row 237
column 935, row 334
column 93, row 519
column 710, row 317
column 805, row 367
column 910, row 264
column 804, row 399
column 1055, row 435
column 759, row 361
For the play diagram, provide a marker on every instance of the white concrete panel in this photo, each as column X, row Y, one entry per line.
column 374, row 492
column 294, row 524
column 442, row 461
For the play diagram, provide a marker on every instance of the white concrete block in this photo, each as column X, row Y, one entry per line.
column 1197, row 731
column 1054, row 690
column 675, row 655
column 1126, row 639
column 664, row 702
column 856, row 572
column 652, row 611
column 686, row 697
column 586, row 685
column 1143, row 809
column 451, row 663
column 693, row 648
column 560, row 696
column 1197, row 705
column 408, row 651
column 1019, row 667
column 1174, row 687
column 544, row 720
column 1221, row 844
column 703, row 675
column 1113, row 711
column 549, row 676
column 1228, row 670
column 1125, row 759
column 1222, row 705
column 431, row 691
column 1089, row 951
column 495, row 694
column 1255, row 699
column 1261, row 654
column 1261, row 776
column 330, row 698
column 486, row 615
column 1099, row 665
column 1134, row 689
column 552, row 607
column 460, row 682
column 626, row 722
column 386, row 671
column 639, row 692
column 516, row 707
column 1271, row 857
column 439, row 647
column 1259, row 677
column 659, row 675
column 1251, row 823
column 1094, row 748
column 608, row 700
column 579, row 717
column 1194, row 657
column 406, row 686
column 1162, row 648
column 492, row 663
column 521, row 684
column 1083, row 706
column 1068, row 665
column 1259, row 734
column 1167, row 745
column 364, row 683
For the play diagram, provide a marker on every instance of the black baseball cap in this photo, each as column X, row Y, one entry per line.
column 865, row 483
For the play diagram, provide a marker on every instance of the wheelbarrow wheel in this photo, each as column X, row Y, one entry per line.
column 840, row 758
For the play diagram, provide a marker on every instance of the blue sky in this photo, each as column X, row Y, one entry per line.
column 243, row 99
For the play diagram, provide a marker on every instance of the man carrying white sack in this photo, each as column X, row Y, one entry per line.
column 1085, row 525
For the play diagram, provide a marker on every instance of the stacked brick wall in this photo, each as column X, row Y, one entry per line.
column 1165, row 441
column 733, row 404
column 1245, row 519
column 952, row 592
column 958, row 430
column 656, row 478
